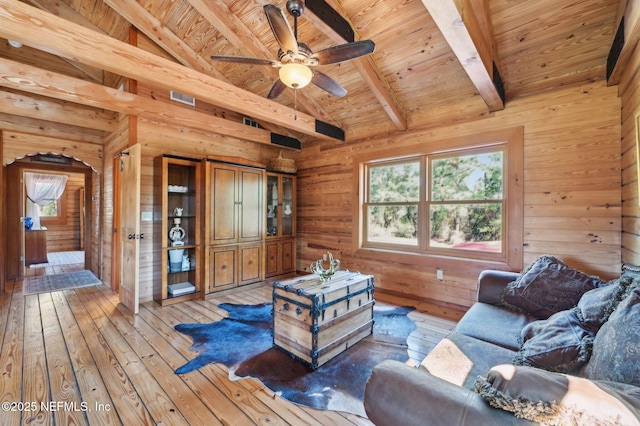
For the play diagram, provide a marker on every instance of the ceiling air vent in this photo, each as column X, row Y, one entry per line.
column 185, row 99
column 249, row 122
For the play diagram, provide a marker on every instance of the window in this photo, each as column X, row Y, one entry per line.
column 467, row 201
column 455, row 201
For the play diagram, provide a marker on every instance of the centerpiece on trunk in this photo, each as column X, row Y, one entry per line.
column 325, row 275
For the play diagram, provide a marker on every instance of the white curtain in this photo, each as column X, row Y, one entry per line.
column 42, row 190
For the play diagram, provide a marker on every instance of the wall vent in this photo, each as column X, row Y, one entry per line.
column 249, row 122
column 179, row 97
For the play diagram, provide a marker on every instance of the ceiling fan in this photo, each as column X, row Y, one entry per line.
column 295, row 58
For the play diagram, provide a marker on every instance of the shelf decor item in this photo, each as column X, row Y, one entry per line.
column 175, row 260
column 176, row 234
column 325, row 275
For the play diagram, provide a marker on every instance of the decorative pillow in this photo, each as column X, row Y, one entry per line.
column 559, row 343
column 616, row 347
column 558, row 399
column 629, row 270
column 595, row 306
column 548, row 286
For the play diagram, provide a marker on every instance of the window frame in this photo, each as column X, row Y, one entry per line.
column 512, row 143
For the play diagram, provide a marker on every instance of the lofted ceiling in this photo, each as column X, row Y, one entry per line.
column 430, row 54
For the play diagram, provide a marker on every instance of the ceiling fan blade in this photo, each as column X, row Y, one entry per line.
column 344, row 52
column 276, row 90
column 328, row 84
column 281, row 29
column 244, row 60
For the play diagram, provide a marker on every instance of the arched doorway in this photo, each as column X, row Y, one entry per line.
column 83, row 215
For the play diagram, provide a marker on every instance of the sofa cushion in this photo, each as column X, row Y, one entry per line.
column 595, row 306
column 559, row 399
column 494, row 324
column 560, row 343
column 459, row 359
column 616, row 347
column 548, row 286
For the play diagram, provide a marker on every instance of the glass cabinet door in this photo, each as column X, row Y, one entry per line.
column 287, row 206
column 272, row 206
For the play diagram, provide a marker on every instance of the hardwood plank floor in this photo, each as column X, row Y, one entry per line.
column 78, row 357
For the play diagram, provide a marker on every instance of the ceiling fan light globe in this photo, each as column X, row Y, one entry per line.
column 295, row 76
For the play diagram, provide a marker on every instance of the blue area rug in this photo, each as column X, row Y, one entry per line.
column 243, row 342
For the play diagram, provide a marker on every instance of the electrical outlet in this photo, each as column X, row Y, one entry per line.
column 440, row 274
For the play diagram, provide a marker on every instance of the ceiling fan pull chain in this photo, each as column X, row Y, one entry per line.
column 295, row 104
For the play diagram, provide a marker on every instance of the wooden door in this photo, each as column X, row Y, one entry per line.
column 250, row 268
column 272, row 251
column 251, row 205
column 14, row 190
column 222, row 206
column 288, row 253
column 130, row 227
column 222, row 264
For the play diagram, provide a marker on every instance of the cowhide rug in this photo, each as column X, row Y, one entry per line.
column 243, row 342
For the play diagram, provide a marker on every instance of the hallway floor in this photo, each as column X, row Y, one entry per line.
column 59, row 262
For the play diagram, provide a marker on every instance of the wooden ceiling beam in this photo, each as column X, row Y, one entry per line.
column 150, row 26
column 218, row 14
column 56, row 111
column 66, row 12
column 18, row 76
column 55, row 35
column 368, row 69
column 471, row 40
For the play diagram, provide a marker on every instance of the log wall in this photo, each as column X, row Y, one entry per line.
column 572, row 200
column 629, row 88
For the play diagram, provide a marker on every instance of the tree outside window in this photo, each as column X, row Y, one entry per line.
column 466, row 207
column 459, row 205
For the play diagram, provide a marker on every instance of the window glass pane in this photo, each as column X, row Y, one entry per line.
column 393, row 224
column 394, row 183
column 50, row 210
column 467, row 227
column 467, row 177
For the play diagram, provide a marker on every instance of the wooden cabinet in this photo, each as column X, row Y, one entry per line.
column 280, row 248
column 35, row 246
column 234, row 227
column 178, row 228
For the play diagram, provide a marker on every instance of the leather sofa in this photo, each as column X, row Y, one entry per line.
column 445, row 389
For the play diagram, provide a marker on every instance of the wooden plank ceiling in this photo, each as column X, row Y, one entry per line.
column 430, row 54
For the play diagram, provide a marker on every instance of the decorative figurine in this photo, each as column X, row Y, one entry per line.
column 325, row 274
column 176, row 234
column 178, row 211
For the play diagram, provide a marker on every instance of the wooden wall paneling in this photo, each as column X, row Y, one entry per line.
column 571, row 176
column 17, row 145
column 15, row 123
column 113, row 144
column 630, row 95
column 47, row 109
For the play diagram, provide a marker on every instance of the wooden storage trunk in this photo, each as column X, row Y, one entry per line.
column 315, row 321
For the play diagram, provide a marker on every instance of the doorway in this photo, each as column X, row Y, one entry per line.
column 65, row 242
